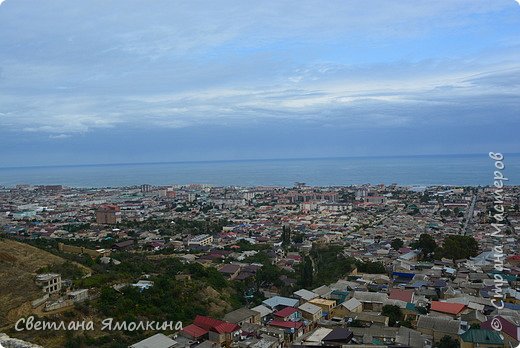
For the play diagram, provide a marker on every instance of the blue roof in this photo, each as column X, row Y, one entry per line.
column 403, row 275
column 418, row 284
column 515, row 307
column 280, row 301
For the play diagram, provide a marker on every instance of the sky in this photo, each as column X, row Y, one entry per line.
column 155, row 81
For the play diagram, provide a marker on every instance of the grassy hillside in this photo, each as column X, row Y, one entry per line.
column 19, row 264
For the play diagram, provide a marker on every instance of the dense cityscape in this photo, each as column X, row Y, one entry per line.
column 366, row 265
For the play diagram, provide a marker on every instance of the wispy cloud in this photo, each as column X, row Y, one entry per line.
column 74, row 68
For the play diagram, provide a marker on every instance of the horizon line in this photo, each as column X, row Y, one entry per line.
column 245, row 160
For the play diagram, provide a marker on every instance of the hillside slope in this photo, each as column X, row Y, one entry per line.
column 19, row 263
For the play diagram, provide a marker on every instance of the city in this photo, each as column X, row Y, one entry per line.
column 373, row 265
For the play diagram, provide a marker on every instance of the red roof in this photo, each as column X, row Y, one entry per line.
column 215, row 325
column 287, row 311
column 446, row 307
column 226, row 328
column 401, row 295
column 194, row 330
column 286, row 324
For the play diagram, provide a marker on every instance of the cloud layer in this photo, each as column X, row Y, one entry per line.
column 73, row 70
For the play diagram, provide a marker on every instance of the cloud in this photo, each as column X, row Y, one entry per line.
column 59, row 136
column 75, row 68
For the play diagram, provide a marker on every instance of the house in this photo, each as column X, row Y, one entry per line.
column 311, row 312
column 287, row 314
column 446, row 308
column 156, row 341
column 127, row 244
column 326, row 306
column 323, row 291
column 218, row 331
column 315, row 338
column 265, row 313
column 481, row 338
column 369, row 319
column 292, row 329
column 438, row 327
column 338, row 337
column 242, row 315
column 401, row 295
column 230, row 271
column 510, row 328
column 372, row 301
column 304, row 295
column 350, row 306
column 193, row 332
column 279, row 302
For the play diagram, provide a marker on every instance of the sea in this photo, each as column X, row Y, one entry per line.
column 456, row 170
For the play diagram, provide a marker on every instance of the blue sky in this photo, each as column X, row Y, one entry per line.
column 147, row 81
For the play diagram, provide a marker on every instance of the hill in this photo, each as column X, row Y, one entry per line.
column 19, row 264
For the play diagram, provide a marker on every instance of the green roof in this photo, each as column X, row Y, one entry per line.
column 482, row 336
column 378, row 342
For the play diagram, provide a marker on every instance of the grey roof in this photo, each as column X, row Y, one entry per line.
column 263, row 310
column 280, row 301
column 441, row 324
column 351, row 304
column 156, row 341
column 410, row 338
column 305, row 294
column 323, row 291
column 208, row 344
column 239, row 315
column 372, row 297
column 310, row 308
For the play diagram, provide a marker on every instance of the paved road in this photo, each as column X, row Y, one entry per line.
column 469, row 213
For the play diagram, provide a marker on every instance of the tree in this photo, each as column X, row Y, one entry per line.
column 394, row 314
column 459, row 247
column 397, row 243
column 426, row 243
column 448, row 342
column 286, row 235
column 307, row 272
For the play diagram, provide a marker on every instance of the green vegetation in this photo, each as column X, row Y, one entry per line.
column 426, row 244
column 182, row 226
column 68, row 270
column 330, row 264
column 307, row 273
column 371, row 267
column 394, row 314
column 397, row 243
column 286, row 236
column 459, row 247
column 447, row 342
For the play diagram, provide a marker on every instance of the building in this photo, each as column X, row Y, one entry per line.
column 108, row 214
column 325, row 305
column 201, row 240
column 481, row 338
column 50, row 282
column 242, row 315
column 78, row 295
column 157, row 341
column 311, row 312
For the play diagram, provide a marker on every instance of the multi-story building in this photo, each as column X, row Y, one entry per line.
column 108, row 214
column 202, row 239
column 50, row 282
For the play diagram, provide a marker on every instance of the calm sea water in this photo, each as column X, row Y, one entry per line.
column 416, row 170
